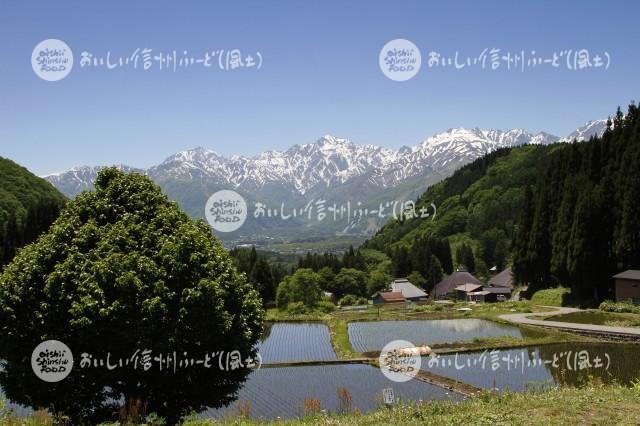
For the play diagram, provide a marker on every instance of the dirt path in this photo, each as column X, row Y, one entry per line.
column 626, row 333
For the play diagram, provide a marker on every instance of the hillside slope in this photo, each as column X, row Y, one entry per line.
column 564, row 214
column 28, row 206
column 477, row 208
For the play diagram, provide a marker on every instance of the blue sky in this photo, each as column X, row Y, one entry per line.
column 320, row 75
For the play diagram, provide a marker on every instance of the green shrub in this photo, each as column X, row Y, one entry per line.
column 297, row 308
column 619, row 307
column 427, row 308
column 352, row 300
column 325, row 306
column 303, row 286
column 550, row 296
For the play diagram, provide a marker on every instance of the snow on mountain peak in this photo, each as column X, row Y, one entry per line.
column 586, row 131
column 332, row 161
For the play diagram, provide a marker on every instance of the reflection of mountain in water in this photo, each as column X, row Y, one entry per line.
column 539, row 367
column 464, row 325
column 372, row 336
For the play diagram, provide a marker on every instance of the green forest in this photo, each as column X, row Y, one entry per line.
column 477, row 210
column 28, row 206
column 563, row 214
column 580, row 221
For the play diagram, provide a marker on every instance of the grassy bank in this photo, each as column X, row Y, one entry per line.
column 551, row 296
column 590, row 405
column 597, row 317
column 601, row 405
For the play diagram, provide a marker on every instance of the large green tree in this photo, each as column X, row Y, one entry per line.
column 124, row 269
column 302, row 286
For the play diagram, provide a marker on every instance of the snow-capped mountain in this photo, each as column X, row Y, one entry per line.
column 78, row 179
column 585, row 132
column 318, row 166
column 324, row 163
column 332, row 169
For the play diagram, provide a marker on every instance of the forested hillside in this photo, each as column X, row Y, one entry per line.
column 28, row 206
column 477, row 209
column 580, row 223
column 565, row 214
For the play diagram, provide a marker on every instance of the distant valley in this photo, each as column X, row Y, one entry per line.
column 334, row 170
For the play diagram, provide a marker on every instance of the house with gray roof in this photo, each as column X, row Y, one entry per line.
column 408, row 290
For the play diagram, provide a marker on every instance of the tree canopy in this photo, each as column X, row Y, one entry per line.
column 579, row 222
column 124, row 269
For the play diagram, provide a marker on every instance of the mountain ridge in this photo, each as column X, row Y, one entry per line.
column 332, row 169
column 328, row 161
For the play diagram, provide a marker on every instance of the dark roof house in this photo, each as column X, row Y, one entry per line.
column 497, row 290
column 389, row 297
column 503, row 279
column 628, row 286
column 467, row 288
column 448, row 285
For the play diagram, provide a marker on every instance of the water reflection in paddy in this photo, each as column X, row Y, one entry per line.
column 281, row 392
column 374, row 335
column 296, row 342
column 541, row 366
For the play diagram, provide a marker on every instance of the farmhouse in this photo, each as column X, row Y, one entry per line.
column 464, row 291
column 447, row 287
column 503, row 279
column 628, row 286
column 388, row 297
column 407, row 289
column 496, row 294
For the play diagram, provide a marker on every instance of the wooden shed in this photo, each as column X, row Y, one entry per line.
column 627, row 285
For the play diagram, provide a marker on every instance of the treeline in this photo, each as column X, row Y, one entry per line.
column 580, row 222
column 350, row 259
column 263, row 275
column 361, row 273
column 28, row 207
column 350, row 278
column 424, row 263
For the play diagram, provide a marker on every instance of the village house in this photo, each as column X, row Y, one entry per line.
column 400, row 290
column 408, row 290
column 503, row 279
column 627, row 286
column 447, row 287
column 464, row 291
column 389, row 297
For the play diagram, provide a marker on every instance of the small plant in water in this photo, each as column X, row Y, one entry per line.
column 311, row 405
column 244, row 409
column 345, row 400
